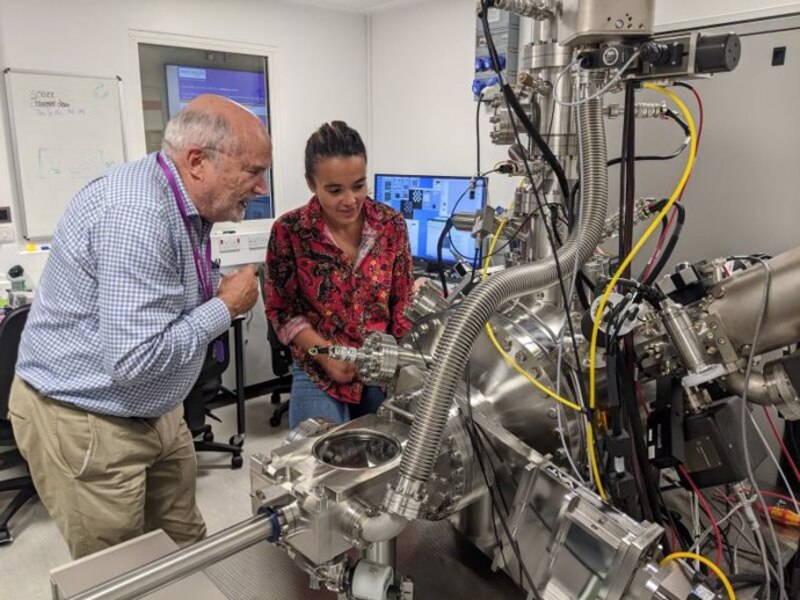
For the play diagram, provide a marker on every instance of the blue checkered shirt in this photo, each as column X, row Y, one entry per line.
column 118, row 325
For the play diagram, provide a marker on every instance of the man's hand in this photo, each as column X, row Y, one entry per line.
column 239, row 290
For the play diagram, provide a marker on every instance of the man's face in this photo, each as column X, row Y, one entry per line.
column 233, row 179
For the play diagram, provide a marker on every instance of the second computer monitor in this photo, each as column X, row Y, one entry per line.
column 426, row 202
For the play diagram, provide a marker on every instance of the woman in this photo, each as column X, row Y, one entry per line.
column 337, row 268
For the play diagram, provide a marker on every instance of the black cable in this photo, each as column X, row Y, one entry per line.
column 619, row 386
column 448, row 226
column 681, row 123
column 513, row 103
column 666, row 252
column 440, row 256
column 615, row 161
column 651, row 157
column 670, row 518
column 627, row 174
column 651, row 491
column 532, row 132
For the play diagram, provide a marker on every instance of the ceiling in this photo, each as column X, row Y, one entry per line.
column 354, row 5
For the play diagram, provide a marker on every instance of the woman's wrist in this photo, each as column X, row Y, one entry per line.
column 318, row 357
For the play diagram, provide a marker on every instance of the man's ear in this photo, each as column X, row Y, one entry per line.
column 195, row 162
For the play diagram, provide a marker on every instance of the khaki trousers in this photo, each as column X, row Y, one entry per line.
column 107, row 479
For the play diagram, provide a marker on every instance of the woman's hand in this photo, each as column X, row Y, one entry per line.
column 340, row 372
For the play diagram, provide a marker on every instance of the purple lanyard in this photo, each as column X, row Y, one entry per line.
column 203, row 266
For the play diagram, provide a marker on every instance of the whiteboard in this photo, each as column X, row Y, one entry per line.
column 66, row 130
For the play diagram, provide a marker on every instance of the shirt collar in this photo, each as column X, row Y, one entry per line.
column 191, row 209
column 373, row 218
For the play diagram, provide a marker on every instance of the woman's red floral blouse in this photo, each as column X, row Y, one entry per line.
column 311, row 282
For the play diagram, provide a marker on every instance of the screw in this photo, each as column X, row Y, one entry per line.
column 619, row 24
column 520, row 356
column 721, row 341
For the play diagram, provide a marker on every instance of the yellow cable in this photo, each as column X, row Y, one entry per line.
column 706, row 562
column 539, row 386
column 495, row 237
column 527, row 375
column 653, row 226
column 536, row 384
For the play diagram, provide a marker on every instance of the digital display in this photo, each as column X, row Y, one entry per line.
column 426, row 202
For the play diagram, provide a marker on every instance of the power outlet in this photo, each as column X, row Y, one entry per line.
column 230, row 243
column 6, row 234
column 257, row 241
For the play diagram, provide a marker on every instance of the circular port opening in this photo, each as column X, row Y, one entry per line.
column 356, row 449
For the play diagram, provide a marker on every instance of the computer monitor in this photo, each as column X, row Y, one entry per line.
column 426, row 202
column 248, row 88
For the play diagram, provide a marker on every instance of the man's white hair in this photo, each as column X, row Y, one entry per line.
column 198, row 128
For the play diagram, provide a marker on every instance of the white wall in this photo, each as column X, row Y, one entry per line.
column 321, row 65
column 423, row 115
column 674, row 12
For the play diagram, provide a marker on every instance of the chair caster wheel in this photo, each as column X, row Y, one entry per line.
column 237, row 462
column 275, row 421
column 208, row 436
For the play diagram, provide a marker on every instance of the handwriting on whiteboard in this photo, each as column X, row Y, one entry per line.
column 84, row 163
column 48, row 103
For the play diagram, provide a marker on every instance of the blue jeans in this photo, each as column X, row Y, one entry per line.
column 308, row 401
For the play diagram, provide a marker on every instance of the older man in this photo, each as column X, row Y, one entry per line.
column 127, row 307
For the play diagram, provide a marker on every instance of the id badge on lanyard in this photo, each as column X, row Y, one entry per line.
column 202, row 260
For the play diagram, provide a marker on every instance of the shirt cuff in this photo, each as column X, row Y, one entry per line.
column 213, row 318
column 292, row 327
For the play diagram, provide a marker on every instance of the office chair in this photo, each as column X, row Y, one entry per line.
column 10, row 334
column 195, row 407
column 281, row 364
